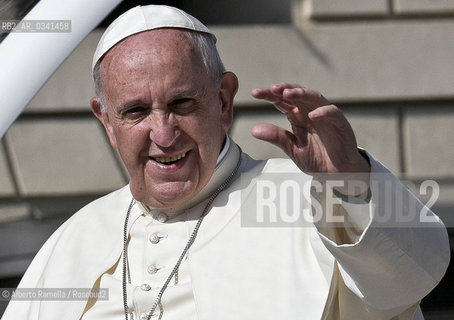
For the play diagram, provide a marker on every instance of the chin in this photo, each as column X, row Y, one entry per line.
column 164, row 203
column 165, row 196
column 170, row 200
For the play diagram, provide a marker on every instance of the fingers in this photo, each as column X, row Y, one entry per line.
column 328, row 112
column 330, row 121
column 292, row 95
column 274, row 95
column 275, row 135
column 295, row 101
column 332, row 127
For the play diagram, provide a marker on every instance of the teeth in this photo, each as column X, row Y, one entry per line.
column 170, row 159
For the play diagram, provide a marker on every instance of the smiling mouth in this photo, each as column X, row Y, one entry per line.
column 169, row 160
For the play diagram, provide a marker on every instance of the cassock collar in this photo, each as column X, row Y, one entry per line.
column 225, row 164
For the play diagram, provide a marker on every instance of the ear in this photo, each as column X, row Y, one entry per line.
column 227, row 91
column 103, row 117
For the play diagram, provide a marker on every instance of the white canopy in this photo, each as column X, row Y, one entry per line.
column 28, row 59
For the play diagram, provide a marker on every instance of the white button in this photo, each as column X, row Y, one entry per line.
column 152, row 269
column 161, row 217
column 154, row 238
column 145, row 287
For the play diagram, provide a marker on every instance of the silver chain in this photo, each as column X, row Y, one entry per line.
column 191, row 240
column 125, row 258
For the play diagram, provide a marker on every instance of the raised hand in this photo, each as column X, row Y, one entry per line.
column 321, row 141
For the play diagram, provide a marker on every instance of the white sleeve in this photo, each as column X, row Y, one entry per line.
column 400, row 249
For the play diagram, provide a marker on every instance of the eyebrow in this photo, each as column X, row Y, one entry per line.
column 191, row 93
column 130, row 104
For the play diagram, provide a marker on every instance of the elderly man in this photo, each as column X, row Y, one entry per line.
column 174, row 243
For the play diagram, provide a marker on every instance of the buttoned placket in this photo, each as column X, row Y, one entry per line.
column 155, row 245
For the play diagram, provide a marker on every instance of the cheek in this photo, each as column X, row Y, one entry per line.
column 210, row 143
column 212, row 122
column 130, row 142
column 205, row 131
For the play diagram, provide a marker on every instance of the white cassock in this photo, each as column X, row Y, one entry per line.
column 250, row 260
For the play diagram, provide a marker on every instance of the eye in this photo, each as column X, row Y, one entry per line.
column 135, row 112
column 183, row 105
column 181, row 101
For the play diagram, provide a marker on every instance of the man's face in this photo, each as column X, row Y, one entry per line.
column 165, row 115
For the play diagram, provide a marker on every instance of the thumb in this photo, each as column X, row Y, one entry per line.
column 274, row 135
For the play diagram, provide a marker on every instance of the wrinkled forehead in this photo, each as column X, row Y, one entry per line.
column 143, row 18
column 167, row 47
column 164, row 59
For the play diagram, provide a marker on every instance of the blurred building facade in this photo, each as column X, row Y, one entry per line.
column 388, row 64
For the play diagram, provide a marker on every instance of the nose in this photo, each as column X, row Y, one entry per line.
column 163, row 129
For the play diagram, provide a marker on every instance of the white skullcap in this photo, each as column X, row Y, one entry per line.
column 143, row 18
